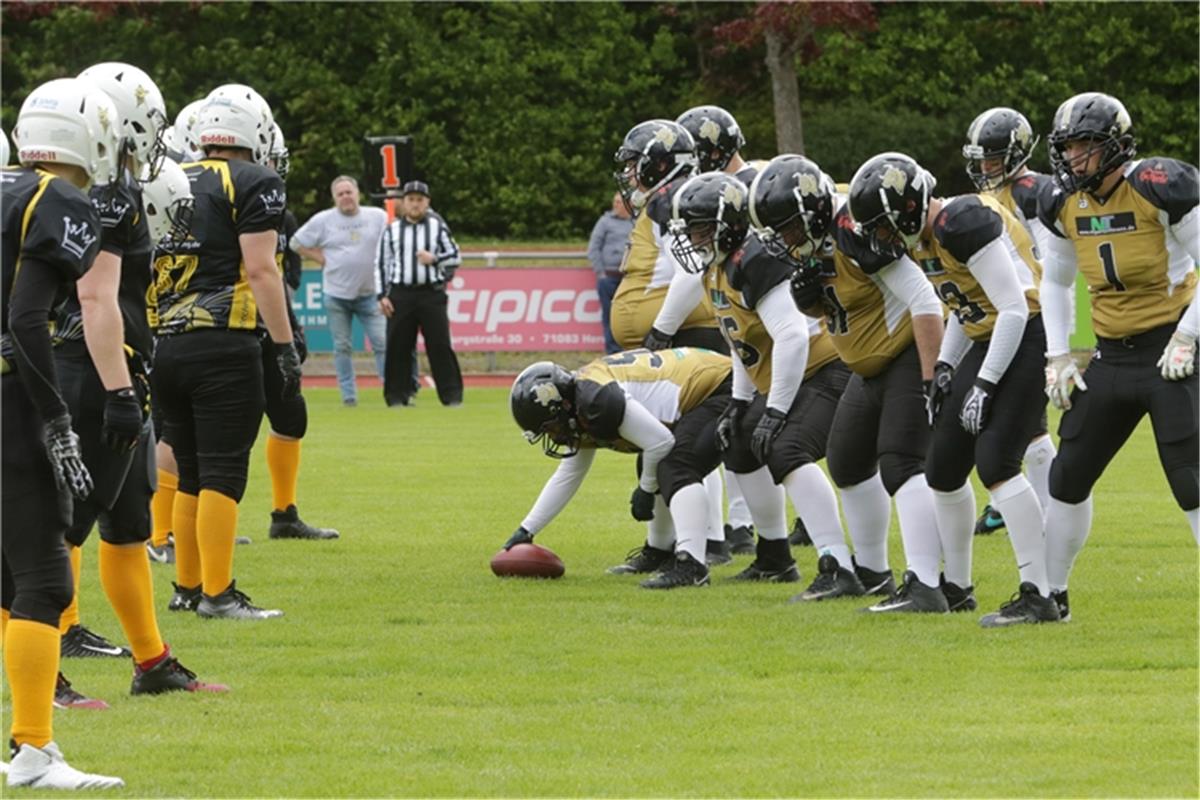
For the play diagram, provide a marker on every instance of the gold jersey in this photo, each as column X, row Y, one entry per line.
column 1138, row 275
column 963, row 227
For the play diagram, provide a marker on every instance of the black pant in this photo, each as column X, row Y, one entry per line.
column 287, row 417
column 695, row 453
column 425, row 309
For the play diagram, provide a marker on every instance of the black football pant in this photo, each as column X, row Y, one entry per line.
column 696, row 452
column 287, row 417
column 423, row 309
column 708, row 338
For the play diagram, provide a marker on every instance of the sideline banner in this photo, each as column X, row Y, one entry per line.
column 491, row 309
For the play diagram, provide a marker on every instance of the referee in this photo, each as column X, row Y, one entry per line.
column 417, row 256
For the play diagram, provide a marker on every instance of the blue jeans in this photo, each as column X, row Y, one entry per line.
column 606, row 287
column 341, row 315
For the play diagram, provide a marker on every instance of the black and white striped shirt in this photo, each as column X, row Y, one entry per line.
column 396, row 262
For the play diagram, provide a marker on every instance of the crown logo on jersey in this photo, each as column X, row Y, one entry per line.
column 274, row 201
column 666, row 136
column 546, row 394
column 710, row 130
column 77, row 237
column 894, row 178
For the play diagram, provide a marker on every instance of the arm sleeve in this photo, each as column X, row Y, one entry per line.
column 955, row 343
column 640, row 428
column 1058, row 282
column 904, row 279
column 683, row 295
column 559, row 490
column 743, row 387
column 1187, row 232
column 33, row 295
column 789, row 356
column 992, row 266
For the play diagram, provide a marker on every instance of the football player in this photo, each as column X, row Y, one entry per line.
column 1130, row 225
column 999, row 144
column 213, row 296
column 786, row 381
column 886, row 324
column 984, row 400
column 661, row 405
column 67, row 140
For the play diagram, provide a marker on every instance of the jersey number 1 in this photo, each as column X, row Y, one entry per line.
column 1110, row 266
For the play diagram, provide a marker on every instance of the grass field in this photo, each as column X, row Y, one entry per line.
column 403, row 668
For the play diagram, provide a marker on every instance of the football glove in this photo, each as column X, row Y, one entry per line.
column 1179, row 358
column 520, row 536
column 641, row 505
column 974, row 413
column 807, row 285
column 1061, row 375
column 122, row 419
column 729, row 421
column 656, row 340
column 769, row 426
column 937, row 390
column 288, row 359
column 62, row 447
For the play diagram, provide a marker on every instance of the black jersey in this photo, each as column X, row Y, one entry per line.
column 203, row 285
column 124, row 232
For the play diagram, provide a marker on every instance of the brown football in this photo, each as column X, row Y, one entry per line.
column 527, row 561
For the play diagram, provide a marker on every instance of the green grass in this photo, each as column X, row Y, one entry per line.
column 403, row 668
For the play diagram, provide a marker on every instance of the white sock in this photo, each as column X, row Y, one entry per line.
column 739, row 512
column 716, row 511
column 1018, row 504
column 660, row 531
column 956, row 528
column 919, row 529
column 868, row 511
column 1038, row 457
column 767, row 503
column 1194, row 520
column 1067, row 528
column 816, row 504
column 689, row 510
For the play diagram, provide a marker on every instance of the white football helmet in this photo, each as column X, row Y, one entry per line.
column 184, row 129
column 234, row 115
column 143, row 112
column 280, row 158
column 169, row 204
column 4, row 151
column 70, row 121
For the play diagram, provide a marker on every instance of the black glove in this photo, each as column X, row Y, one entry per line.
column 770, row 424
column 122, row 419
column 807, row 285
column 656, row 340
column 937, row 390
column 641, row 505
column 974, row 414
column 520, row 536
column 729, row 421
column 288, row 359
column 62, row 447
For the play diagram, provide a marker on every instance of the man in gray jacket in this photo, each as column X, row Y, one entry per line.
column 606, row 251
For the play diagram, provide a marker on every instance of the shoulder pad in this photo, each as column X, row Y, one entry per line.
column 754, row 272
column 965, row 226
column 1051, row 200
column 658, row 206
column 1168, row 184
column 1025, row 192
column 64, row 230
column 600, row 408
column 851, row 244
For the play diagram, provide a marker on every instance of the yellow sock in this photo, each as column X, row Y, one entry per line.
column 216, row 526
column 5, row 614
column 70, row 615
column 31, row 663
column 161, row 507
column 283, row 462
column 187, row 552
column 125, row 575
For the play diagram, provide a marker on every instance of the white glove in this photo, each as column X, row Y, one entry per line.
column 1179, row 358
column 1061, row 375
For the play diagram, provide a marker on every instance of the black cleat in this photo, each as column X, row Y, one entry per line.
column 799, row 536
column 169, row 675
column 232, row 604
column 184, row 599
column 1064, row 606
column 641, row 560
column 913, row 597
column 833, row 580
column 740, row 539
column 67, row 697
column 684, row 571
column 878, row 584
column 716, row 553
column 769, row 573
column 287, row 524
column 989, row 522
column 958, row 598
column 79, row 642
column 1026, row 606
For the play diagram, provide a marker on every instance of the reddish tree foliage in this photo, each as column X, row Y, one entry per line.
column 796, row 22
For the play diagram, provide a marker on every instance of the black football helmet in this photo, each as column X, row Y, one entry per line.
column 710, row 217
column 998, row 134
column 716, row 135
column 791, row 208
column 1096, row 118
column 652, row 153
column 542, row 402
column 889, row 200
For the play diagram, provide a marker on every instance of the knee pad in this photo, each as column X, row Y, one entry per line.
column 1065, row 486
column 225, row 474
column 895, row 469
column 82, row 520
column 673, row 475
column 995, row 467
column 288, row 417
column 44, row 593
column 1185, row 485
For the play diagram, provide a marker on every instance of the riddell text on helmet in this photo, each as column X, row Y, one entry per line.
column 217, row 138
column 37, row 155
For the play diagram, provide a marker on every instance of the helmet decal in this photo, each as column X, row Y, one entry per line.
column 546, row 394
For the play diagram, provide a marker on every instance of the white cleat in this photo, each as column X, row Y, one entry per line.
column 45, row 768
